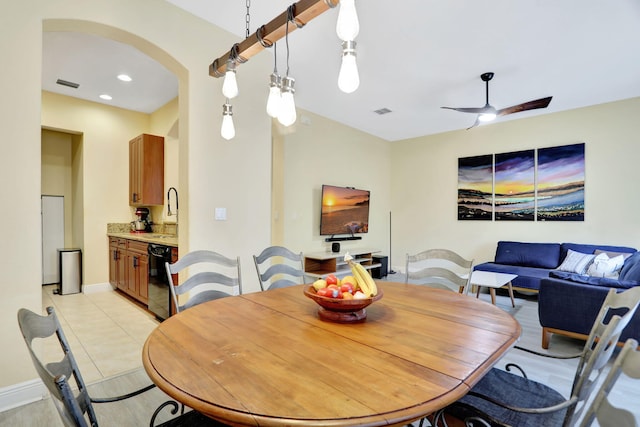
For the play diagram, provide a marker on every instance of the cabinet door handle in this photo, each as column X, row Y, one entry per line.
column 115, row 254
column 135, row 197
column 135, row 262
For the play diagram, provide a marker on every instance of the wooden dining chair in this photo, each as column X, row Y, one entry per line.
column 73, row 403
column 209, row 272
column 502, row 398
column 279, row 267
column 601, row 409
column 439, row 268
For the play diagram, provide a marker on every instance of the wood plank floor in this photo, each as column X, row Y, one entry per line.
column 119, row 374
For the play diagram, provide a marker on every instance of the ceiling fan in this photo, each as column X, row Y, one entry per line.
column 488, row 112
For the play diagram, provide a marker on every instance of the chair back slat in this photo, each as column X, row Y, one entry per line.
column 212, row 274
column 440, row 268
column 278, row 267
column 628, row 363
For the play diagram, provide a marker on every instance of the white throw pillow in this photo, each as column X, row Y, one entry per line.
column 576, row 262
column 603, row 266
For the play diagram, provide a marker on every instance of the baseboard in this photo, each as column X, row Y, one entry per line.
column 22, row 393
column 97, row 287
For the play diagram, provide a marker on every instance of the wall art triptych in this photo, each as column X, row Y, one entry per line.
column 546, row 184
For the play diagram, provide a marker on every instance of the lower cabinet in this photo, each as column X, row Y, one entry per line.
column 129, row 268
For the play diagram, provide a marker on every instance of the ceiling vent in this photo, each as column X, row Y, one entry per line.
column 382, row 111
column 66, row 83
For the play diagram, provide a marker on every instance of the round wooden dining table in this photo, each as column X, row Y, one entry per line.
column 267, row 359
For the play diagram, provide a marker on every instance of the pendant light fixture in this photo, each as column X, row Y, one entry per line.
column 348, row 79
column 230, row 84
column 228, row 130
column 274, row 102
column 287, row 114
column 347, row 25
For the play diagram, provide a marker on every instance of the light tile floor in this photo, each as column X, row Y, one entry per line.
column 105, row 330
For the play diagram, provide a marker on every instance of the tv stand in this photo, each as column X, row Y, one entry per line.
column 320, row 264
column 341, row 239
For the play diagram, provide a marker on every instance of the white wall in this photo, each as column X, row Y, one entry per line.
column 424, row 182
column 212, row 172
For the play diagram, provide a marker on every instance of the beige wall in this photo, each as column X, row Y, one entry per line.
column 212, row 172
column 321, row 151
column 424, row 182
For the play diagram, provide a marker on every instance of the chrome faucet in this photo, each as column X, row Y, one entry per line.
column 169, row 213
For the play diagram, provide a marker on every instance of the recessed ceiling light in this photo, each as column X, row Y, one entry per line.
column 124, row 78
column 106, row 97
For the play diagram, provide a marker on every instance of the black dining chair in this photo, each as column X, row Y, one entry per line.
column 74, row 405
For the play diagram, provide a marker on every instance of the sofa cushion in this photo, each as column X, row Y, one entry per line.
column 590, row 280
column 591, row 249
column 631, row 268
column 541, row 255
column 603, row 266
column 576, row 262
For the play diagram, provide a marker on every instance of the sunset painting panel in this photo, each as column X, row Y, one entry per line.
column 561, row 183
column 475, row 187
column 515, row 186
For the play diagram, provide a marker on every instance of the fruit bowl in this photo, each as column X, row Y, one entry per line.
column 341, row 310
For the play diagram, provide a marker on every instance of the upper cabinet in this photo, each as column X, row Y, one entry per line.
column 146, row 170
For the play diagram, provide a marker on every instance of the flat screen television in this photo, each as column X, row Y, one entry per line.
column 345, row 210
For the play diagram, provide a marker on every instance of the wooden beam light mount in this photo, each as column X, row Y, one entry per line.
column 303, row 12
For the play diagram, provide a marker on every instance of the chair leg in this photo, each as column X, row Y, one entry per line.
column 513, row 303
column 546, row 336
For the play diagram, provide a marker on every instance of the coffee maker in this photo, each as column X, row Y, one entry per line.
column 142, row 224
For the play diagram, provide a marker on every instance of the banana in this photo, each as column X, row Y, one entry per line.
column 371, row 284
column 365, row 281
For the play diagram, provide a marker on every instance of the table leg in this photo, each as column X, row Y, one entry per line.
column 492, row 291
column 513, row 304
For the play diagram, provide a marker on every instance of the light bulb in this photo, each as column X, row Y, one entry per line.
column 227, row 130
column 488, row 115
column 274, row 101
column 347, row 26
column 230, row 84
column 348, row 79
column 287, row 115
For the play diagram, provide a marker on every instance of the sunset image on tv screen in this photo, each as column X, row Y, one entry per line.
column 344, row 210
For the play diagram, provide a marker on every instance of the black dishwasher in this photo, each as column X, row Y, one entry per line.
column 159, row 294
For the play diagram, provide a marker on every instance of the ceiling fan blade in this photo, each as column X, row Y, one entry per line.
column 479, row 110
column 531, row 105
column 476, row 123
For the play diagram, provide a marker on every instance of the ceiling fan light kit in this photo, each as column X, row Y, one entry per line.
column 489, row 112
column 299, row 13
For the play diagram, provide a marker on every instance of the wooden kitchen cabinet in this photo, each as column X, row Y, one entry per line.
column 129, row 268
column 137, row 266
column 117, row 267
column 146, row 170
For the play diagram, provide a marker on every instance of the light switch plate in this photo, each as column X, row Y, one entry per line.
column 221, row 214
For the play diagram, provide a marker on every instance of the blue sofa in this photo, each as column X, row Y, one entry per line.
column 533, row 262
column 568, row 302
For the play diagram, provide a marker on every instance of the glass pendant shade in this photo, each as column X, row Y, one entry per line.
column 348, row 79
column 230, row 84
column 228, row 130
column 348, row 25
column 274, row 101
column 287, row 115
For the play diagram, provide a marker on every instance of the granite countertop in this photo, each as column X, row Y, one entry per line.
column 162, row 239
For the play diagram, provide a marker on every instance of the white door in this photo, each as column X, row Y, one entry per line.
column 52, row 237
